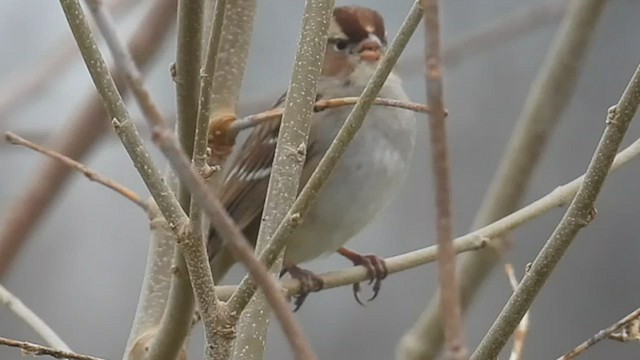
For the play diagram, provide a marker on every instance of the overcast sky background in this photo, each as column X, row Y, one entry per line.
column 82, row 268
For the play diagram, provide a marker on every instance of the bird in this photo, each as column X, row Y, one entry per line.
column 372, row 169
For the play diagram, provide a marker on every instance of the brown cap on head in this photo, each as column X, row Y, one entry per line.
column 357, row 23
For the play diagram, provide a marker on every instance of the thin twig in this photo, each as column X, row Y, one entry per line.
column 38, row 325
column 601, row 335
column 546, row 101
column 449, row 292
column 37, row 350
column 81, row 168
column 520, row 335
column 214, row 324
column 333, row 154
column 580, row 213
column 274, row 114
column 80, row 135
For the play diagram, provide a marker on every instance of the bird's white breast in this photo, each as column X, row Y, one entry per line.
column 372, row 169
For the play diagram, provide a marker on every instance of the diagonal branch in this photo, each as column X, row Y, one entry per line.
column 37, row 350
column 579, row 214
column 81, row 168
column 601, row 335
column 38, row 325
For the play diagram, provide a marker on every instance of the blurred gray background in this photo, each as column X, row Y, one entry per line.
column 82, row 268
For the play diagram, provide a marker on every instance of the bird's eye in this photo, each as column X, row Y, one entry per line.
column 340, row 44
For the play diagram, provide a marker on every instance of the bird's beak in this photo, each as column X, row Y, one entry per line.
column 370, row 50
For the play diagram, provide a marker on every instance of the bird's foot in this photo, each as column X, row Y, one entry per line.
column 309, row 282
column 376, row 269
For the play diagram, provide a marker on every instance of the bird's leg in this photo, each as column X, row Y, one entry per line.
column 309, row 282
column 376, row 269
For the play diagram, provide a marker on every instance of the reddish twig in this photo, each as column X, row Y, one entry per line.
column 449, row 292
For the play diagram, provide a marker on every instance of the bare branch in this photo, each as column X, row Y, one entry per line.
column 38, row 325
column 449, row 294
column 288, row 163
column 478, row 239
column 37, row 350
column 548, row 97
column 79, row 136
column 601, row 335
column 79, row 167
column 579, row 214
column 163, row 136
column 193, row 247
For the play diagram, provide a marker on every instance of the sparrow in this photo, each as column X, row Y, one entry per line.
column 363, row 182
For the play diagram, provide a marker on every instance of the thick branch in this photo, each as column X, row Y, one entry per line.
column 289, row 158
column 579, row 214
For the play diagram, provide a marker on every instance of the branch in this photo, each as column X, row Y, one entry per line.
column 90, row 174
column 449, row 294
column 163, row 137
column 38, row 325
column 478, row 239
column 37, row 350
column 320, row 105
column 81, row 133
column 288, row 163
column 579, row 214
column 333, row 154
column 171, row 332
column 548, row 97
column 601, row 335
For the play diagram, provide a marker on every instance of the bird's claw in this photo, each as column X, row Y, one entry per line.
column 376, row 270
column 309, row 282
